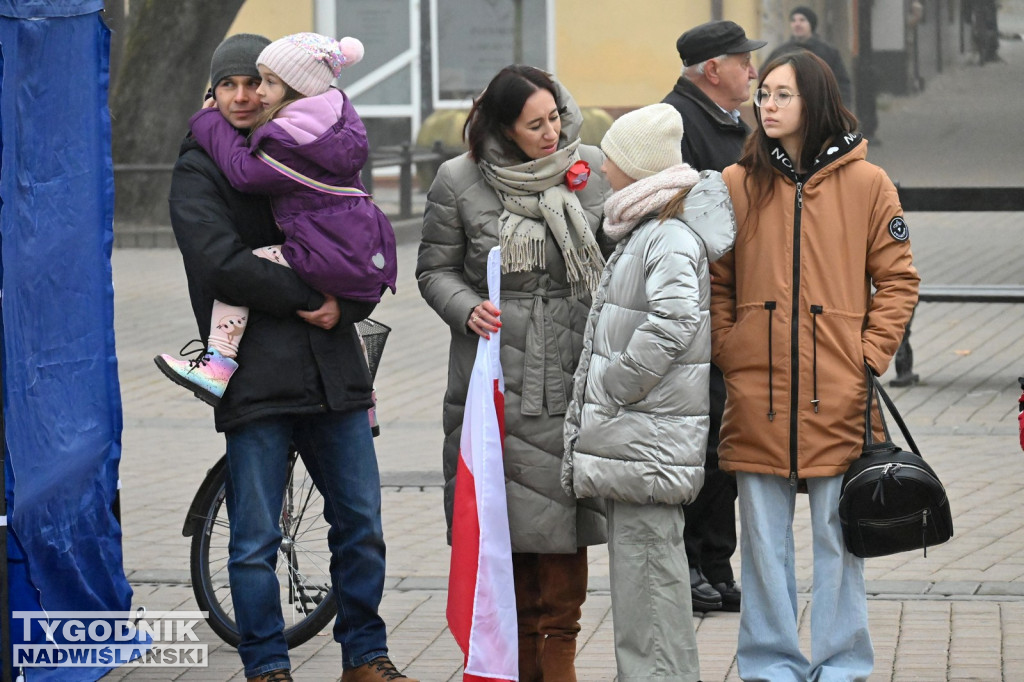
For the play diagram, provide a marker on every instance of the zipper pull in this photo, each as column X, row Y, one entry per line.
column 799, row 195
column 815, row 311
column 792, row 479
column 878, row 496
column 924, row 532
column 770, row 307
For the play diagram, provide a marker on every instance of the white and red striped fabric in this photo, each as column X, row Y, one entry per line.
column 481, row 591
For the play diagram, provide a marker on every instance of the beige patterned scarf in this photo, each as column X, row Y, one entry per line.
column 536, row 199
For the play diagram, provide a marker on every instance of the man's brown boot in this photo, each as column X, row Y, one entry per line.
column 380, row 669
column 280, row 675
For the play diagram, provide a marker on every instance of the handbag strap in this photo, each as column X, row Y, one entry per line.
column 875, row 385
column 869, row 434
column 298, row 177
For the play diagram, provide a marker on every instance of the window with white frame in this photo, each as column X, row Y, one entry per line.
column 472, row 41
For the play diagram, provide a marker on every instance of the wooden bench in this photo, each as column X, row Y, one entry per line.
column 949, row 199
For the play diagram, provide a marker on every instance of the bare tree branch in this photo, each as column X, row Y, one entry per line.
column 162, row 75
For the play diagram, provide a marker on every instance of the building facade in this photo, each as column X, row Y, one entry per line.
column 425, row 55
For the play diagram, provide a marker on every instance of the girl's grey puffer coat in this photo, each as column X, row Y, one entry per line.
column 637, row 426
column 541, row 340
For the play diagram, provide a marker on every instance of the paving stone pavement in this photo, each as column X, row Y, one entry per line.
column 956, row 615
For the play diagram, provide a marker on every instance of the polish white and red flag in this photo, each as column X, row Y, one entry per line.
column 481, row 591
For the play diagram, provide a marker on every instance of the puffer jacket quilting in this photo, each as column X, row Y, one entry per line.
column 637, row 427
column 541, row 340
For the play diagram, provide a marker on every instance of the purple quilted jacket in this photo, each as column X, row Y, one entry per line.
column 340, row 245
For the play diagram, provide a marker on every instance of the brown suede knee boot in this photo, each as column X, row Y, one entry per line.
column 563, row 589
column 531, row 642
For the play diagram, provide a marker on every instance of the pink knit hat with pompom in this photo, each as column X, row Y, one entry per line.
column 309, row 62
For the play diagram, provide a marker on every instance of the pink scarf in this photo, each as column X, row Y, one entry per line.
column 624, row 209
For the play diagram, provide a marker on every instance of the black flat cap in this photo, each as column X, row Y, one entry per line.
column 713, row 39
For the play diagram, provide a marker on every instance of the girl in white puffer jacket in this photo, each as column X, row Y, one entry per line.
column 637, row 426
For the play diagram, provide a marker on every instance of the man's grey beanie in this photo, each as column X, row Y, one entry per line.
column 236, row 56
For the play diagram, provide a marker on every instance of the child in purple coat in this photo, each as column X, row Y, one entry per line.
column 306, row 150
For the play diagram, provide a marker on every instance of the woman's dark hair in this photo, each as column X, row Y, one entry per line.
column 495, row 111
column 824, row 118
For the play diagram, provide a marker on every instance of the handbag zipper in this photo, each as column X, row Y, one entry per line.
column 884, row 467
column 925, row 513
column 924, row 532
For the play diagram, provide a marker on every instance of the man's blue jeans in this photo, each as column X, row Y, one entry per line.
column 337, row 449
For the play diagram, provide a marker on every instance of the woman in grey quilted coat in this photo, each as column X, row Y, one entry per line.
column 637, row 425
column 524, row 185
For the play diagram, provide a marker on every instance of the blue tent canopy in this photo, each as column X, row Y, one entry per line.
column 62, row 404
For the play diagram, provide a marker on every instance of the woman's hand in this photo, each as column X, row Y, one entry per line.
column 326, row 316
column 484, row 319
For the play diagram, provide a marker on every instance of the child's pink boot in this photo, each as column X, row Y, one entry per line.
column 207, row 376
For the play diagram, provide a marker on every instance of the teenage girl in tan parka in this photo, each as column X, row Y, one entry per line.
column 820, row 282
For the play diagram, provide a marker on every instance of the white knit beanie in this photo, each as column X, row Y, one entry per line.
column 309, row 62
column 645, row 141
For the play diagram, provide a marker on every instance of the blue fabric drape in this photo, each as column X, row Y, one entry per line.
column 38, row 9
column 62, row 403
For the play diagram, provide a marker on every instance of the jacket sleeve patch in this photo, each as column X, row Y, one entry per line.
column 898, row 229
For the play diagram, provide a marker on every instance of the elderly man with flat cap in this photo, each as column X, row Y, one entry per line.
column 715, row 81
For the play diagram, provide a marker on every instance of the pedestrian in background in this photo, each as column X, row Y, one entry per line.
column 717, row 72
column 822, row 261
column 526, row 184
column 803, row 27
column 637, row 426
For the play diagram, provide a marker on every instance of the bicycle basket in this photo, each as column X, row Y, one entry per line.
column 374, row 335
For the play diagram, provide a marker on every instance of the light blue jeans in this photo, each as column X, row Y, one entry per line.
column 337, row 449
column 769, row 648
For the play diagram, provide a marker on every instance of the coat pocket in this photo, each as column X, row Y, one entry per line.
column 749, row 343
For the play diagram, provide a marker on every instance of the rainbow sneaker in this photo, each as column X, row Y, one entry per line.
column 206, row 376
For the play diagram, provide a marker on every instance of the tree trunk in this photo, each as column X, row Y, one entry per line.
column 164, row 68
column 113, row 15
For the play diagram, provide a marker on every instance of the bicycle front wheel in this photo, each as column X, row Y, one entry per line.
column 303, row 560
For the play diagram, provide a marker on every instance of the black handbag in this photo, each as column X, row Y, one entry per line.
column 891, row 501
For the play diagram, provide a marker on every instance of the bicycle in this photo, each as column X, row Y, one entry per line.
column 303, row 564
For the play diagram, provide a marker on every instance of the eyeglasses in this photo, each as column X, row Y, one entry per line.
column 782, row 99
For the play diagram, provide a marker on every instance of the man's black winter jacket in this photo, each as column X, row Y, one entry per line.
column 286, row 365
column 711, row 139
